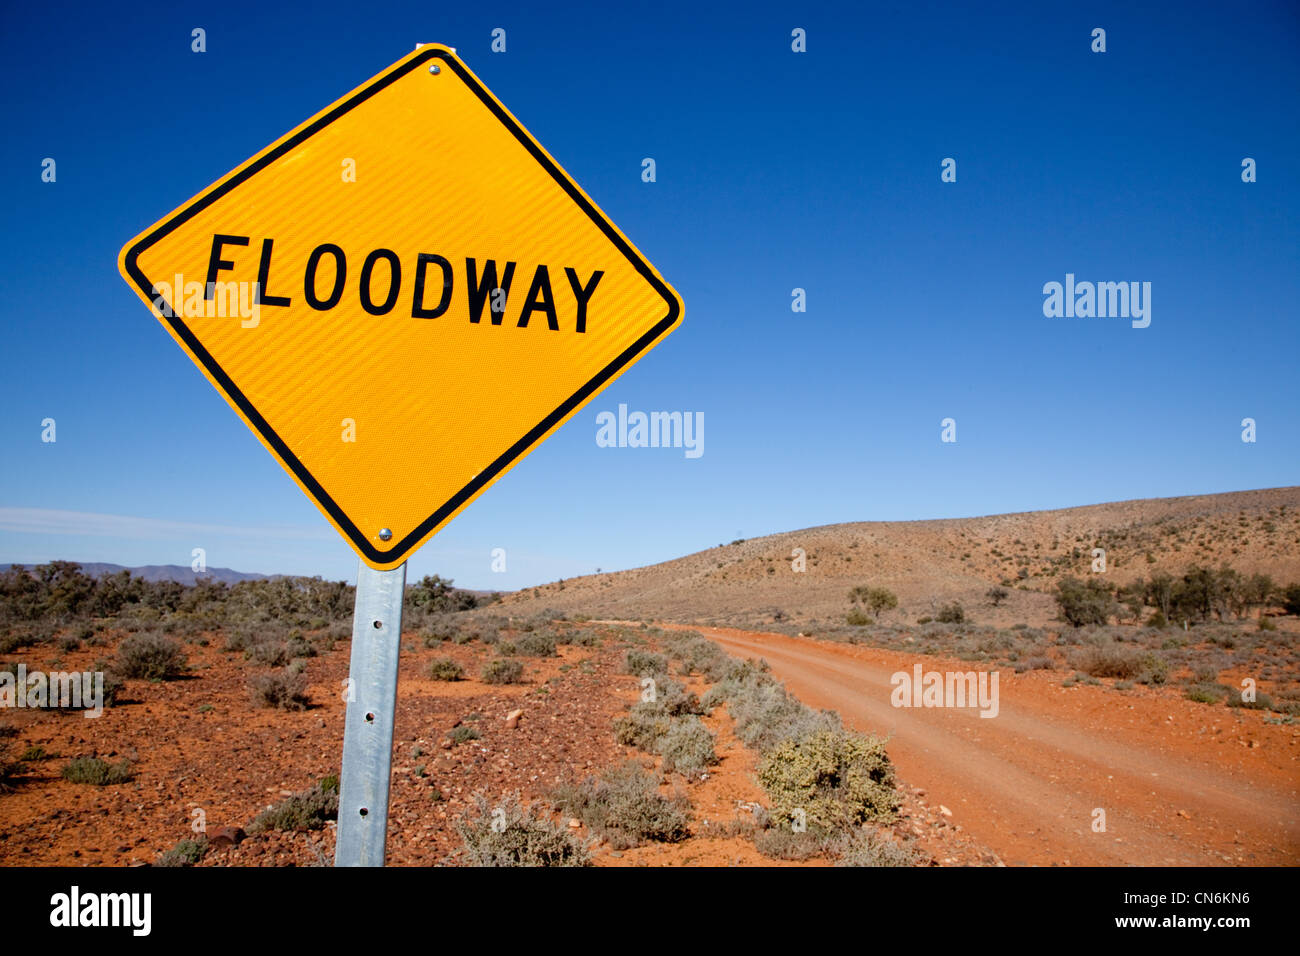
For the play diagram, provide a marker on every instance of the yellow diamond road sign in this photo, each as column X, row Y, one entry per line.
column 402, row 297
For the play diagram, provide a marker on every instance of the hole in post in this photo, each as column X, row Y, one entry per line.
column 378, row 625
column 370, row 718
column 363, row 811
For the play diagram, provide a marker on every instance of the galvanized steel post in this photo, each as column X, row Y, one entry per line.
column 368, row 726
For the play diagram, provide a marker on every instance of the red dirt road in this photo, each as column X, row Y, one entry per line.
column 1180, row 782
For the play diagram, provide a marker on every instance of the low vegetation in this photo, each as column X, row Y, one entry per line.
column 446, row 669
column 286, row 690
column 184, row 853
column 867, row 848
column 783, row 843
column 822, row 781
column 513, row 834
column 952, row 613
column 463, row 734
column 503, row 671
column 686, row 745
column 308, row 810
column 624, row 807
column 665, row 721
column 150, row 656
column 644, row 663
column 1103, row 657
column 533, row 644
column 874, row 599
column 830, row 781
column 97, row 772
column 765, row 714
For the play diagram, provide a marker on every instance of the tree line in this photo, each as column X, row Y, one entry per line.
column 60, row 592
column 1199, row 594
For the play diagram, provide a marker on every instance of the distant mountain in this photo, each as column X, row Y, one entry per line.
column 161, row 572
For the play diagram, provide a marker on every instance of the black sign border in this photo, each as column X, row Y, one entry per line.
column 363, row 543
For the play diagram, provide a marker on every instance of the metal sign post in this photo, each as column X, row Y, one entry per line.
column 368, row 726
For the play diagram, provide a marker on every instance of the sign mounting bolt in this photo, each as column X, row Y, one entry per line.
column 385, row 534
column 435, row 69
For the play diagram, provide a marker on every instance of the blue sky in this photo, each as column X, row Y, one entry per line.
column 775, row 170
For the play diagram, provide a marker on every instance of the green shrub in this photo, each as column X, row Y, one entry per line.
column 1039, row 662
column 267, row 650
column 643, row 726
column 237, row 639
column 644, row 663
column 463, row 733
column 1107, row 660
column 951, row 614
column 532, row 644
column 675, row 699
column 1085, row 602
column 870, row 849
column 113, row 682
column 298, row 646
column 857, row 617
column 307, row 810
column 500, row 671
column 1152, row 669
column 1261, row 702
column 698, row 655
column 624, row 807
column 184, row 853
column 285, row 690
column 839, row 779
column 513, row 835
column 439, row 630
column 765, row 714
column 1205, row 693
column 435, row 595
column 585, row 637
column 783, row 843
column 150, row 656
column 672, row 697
column 444, row 668
column 97, row 772
column 687, row 747
column 877, row 600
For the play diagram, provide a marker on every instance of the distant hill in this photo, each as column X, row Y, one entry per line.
column 753, row 583
column 161, row 572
